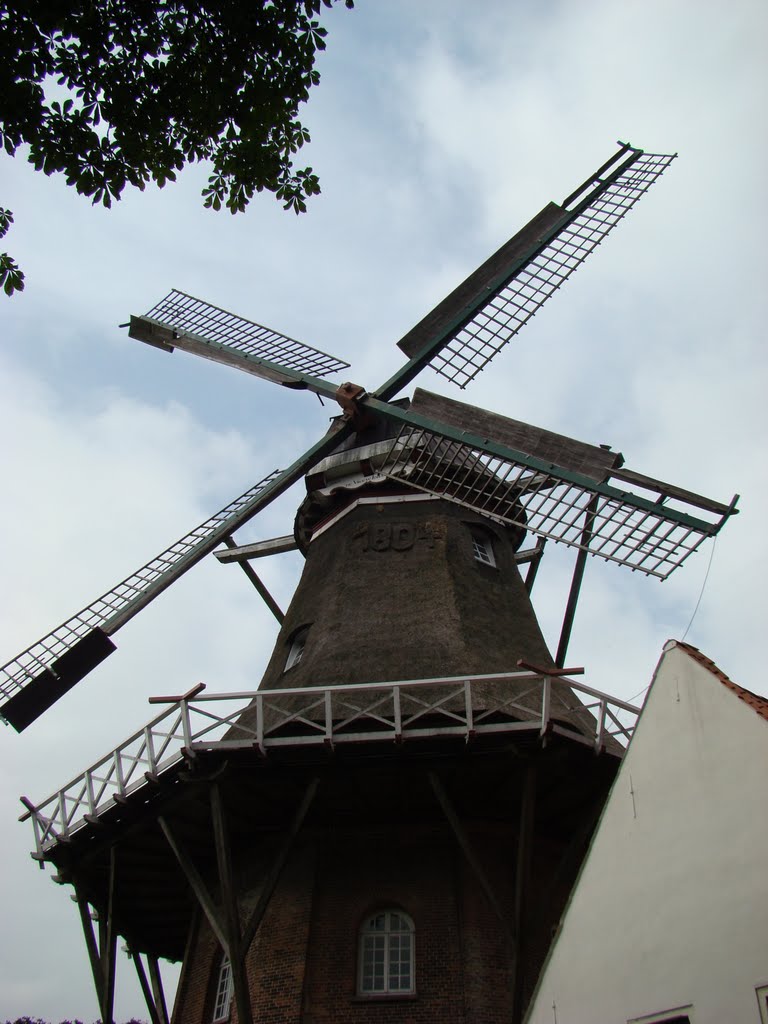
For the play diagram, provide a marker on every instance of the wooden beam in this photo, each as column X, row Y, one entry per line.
column 146, row 991
column 229, row 903
column 277, row 867
column 670, row 490
column 197, row 885
column 108, row 939
column 244, row 552
column 255, row 579
column 157, row 989
column 578, row 575
column 522, row 885
column 90, row 943
column 590, row 460
column 466, row 848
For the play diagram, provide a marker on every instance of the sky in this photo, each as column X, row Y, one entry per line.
column 439, row 128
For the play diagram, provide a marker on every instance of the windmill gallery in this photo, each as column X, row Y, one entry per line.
column 390, row 827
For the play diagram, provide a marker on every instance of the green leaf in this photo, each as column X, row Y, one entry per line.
column 11, row 278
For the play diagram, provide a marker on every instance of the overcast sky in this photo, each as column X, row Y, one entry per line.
column 439, row 128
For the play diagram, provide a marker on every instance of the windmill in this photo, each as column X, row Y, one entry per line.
column 395, row 476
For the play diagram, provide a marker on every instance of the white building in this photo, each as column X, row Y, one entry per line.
column 668, row 920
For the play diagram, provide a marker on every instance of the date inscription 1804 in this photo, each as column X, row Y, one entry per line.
column 392, row 536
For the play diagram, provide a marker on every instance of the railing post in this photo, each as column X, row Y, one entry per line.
column 35, row 815
column 468, row 710
column 328, row 717
column 186, row 731
column 260, row 722
column 119, row 772
column 150, row 742
column 398, row 714
column 64, row 824
column 89, row 789
column 546, row 697
column 600, row 726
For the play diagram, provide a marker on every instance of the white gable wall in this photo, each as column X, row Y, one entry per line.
column 671, row 907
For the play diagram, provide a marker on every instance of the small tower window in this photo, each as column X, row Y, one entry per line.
column 223, row 993
column 386, row 954
column 482, row 547
column 296, row 649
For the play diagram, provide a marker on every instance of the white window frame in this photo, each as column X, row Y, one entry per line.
column 482, row 547
column 222, row 1005
column 391, row 940
column 296, row 650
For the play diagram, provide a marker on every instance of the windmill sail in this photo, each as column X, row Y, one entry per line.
column 192, row 325
column 555, row 488
column 32, row 681
column 472, row 324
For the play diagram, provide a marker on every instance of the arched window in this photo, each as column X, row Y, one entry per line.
column 223, row 999
column 385, row 965
column 296, row 648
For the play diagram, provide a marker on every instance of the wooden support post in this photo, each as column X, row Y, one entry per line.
column 146, row 991
column 197, row 885
column 90, row 944
column 108, row 939
column 466, row 849
column 277, row 867
column 157, row 989
column 255, row 579
column 231, row 917
column 533, row 566
column 522, row 882
column 578, row 575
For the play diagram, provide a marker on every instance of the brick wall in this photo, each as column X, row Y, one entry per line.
column 302, row 967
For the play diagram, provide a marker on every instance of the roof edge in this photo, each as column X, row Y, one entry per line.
column 758, row 703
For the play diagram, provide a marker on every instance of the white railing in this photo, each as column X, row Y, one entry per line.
column 391, row 712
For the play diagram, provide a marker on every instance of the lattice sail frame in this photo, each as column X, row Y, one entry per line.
column 189, row 315
column 495, row 324
column 619, row 526
column 113, row 608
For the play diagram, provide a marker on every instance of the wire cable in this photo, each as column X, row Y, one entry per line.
column 701, row 594
column 693, row 616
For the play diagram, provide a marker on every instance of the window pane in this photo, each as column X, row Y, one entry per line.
column 386, row 954
column 223, row 992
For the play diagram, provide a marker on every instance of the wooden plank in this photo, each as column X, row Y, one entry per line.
column 479, row 285
column 262, row 548
column 671, row 491
column 588, row 459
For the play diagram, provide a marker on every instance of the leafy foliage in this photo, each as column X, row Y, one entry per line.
column 11, row 278
column 116, row 92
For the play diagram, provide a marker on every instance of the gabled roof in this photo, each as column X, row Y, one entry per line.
column 755, row 701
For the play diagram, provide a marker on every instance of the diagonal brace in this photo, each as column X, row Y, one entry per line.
column 277, row 867
column 466, row 848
